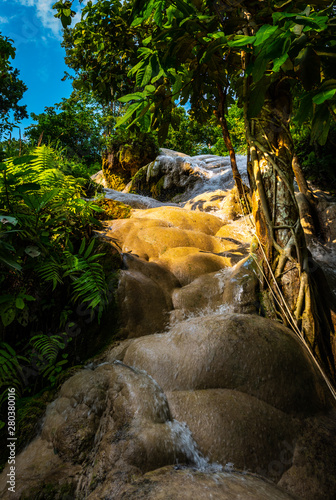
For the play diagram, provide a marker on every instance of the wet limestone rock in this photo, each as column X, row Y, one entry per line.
column 183, row 219
column 153, row 271
column 205, row 293
column 150, row 238
column 144, row 297
column 133, row 200
column 170, row 483
column 208, row 201
column 105, row 426
column 241, row 287
column 232, row 427
column 239, row 230
column 312, row 475
column 169, row 174
column 234, row 351
column 225, row 203
column 188, row 263
column 233, row 288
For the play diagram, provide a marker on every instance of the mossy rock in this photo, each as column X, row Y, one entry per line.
column 125, row 156
column 152, row 185
column 112, row 210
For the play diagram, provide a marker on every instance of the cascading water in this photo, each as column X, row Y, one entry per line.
column 186, row 444
column 225, row 381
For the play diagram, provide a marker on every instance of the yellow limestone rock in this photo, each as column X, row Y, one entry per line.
column 204, row 202
column 239, row 230
column 182, row 219
column 188, row 263
column 223, row 202
column 127, row 230
column 150, row 238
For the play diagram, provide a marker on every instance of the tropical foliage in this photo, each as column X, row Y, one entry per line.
column 76, row 125
column 48, row 265
column 11, row 89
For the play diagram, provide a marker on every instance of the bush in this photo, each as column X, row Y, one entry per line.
column 52, row 272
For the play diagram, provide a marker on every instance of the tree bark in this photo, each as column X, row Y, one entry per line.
column 282, row 246
column 300, row 179
column 220, row 114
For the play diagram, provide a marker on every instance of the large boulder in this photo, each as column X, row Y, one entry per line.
column 106, row 426
column 125, row 156
column 183, row 219
column 234, row 351
column 144, row 297
column 169, row 174
column 232, row 427
column 171, row 483
column 234, row 289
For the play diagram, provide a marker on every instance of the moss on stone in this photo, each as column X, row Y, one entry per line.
column 125, row 156
column 156, row 189
column 113, row 210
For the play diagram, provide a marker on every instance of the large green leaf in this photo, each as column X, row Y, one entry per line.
column 259, row 67
column 131, row 97
column 241, row 41
column 324, row 96
column 257, row 98
column 147, row 74
column 305, row 109
column 279, row 62
column 264, row 33
column 320, row 124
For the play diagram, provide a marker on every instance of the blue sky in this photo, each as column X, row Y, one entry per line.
column 39, row 57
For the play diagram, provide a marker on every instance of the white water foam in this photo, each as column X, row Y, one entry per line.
column 186, row 444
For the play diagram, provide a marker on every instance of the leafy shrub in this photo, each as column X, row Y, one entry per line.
column 48, row 264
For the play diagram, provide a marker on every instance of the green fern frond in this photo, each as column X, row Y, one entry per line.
column 51, row 270
column 87, row 277
column 48, row 346
column 10, row 368
column 44, row 158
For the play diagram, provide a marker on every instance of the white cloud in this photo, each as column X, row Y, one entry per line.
column 4, row 20
column 45, row 13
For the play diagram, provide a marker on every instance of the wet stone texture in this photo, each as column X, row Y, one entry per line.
column 221, row 405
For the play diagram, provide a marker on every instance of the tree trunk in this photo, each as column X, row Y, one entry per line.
column 282, row 247
column 307, row 204
column 300, row 179
column 220, row 114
